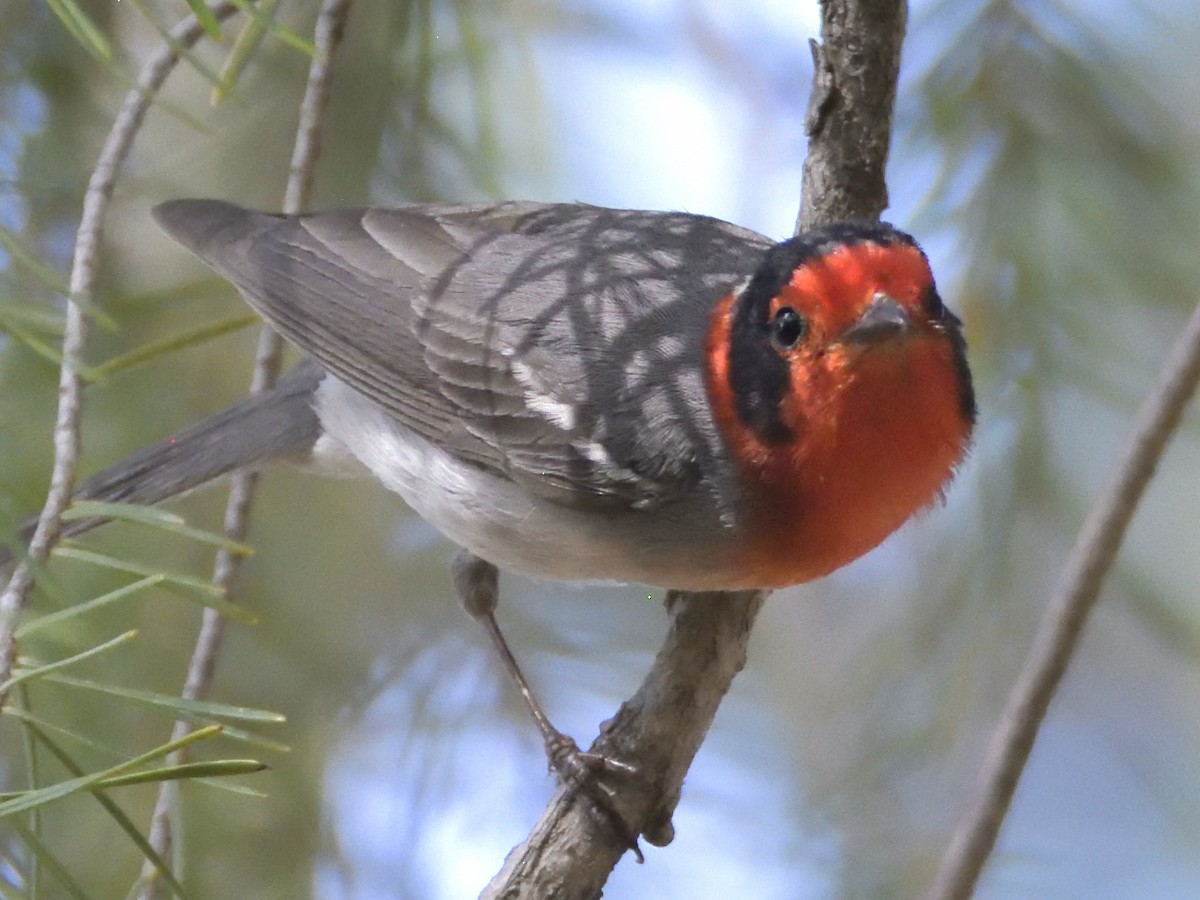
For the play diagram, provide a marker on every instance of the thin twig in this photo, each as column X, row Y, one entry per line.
column 1093, row 555
column 572, row 850
column 331, row 24
column 82, row 296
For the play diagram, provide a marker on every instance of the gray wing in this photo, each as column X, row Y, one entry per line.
column 559, row 345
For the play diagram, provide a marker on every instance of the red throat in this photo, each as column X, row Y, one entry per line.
column 874, row 439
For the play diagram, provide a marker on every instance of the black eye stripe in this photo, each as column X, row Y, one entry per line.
column 945, row 320
column 934, row 307
column 759, row 376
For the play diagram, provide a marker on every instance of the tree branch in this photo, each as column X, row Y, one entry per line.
column 331, row 24
column 849, row 121
column 82, row 295
column 1093, row 555
column 572, row 850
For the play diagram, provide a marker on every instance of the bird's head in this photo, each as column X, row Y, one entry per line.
column 840, row 384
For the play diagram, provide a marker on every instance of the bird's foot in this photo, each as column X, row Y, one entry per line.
column 582, row 772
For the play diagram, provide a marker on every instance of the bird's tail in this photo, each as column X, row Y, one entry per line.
column 277, row 424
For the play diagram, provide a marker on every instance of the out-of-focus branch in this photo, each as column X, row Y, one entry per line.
column 83, row 294
column 572, row 850
column 331, row 24
column 1093, row 555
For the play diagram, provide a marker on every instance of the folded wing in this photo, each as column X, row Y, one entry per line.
column 559, row 345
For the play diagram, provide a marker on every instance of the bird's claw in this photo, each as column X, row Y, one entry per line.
column 574, row 765
column 578, row 770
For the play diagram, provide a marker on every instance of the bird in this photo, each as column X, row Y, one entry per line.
column 581, row 393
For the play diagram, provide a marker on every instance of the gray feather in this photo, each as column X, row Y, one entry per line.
column 279, row 424
column 560, row 346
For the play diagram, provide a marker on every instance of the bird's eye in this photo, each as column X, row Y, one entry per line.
column 788, row 328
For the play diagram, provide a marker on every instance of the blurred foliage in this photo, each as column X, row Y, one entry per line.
column 1045, row 153
column 154, row 334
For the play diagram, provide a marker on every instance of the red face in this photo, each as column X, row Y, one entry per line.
column 839, row 383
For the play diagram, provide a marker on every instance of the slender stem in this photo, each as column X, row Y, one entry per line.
column 330, row 27
column 1093, row 555
column 82, row 295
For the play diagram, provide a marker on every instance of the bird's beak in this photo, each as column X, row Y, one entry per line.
column 883, row 320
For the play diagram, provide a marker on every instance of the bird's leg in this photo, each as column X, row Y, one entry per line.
column 475, row 581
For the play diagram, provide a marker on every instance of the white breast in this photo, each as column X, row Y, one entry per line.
column 499, row 521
